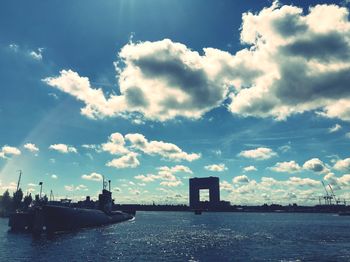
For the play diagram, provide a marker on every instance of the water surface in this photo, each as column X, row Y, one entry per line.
column 183, row 236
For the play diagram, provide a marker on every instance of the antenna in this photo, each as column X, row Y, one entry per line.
column 52, row 198
column 109, row 185
column 19, row 179
column 41, row 188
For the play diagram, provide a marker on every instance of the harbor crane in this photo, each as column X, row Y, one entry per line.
column 327, row 198
column 337, row 201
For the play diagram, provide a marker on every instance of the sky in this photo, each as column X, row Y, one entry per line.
column 151, row 93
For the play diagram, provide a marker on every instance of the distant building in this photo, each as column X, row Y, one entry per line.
column 210, row 183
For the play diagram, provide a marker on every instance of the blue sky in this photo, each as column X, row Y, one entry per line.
column 150, row 93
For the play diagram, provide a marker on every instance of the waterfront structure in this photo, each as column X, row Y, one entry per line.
column 197, row 184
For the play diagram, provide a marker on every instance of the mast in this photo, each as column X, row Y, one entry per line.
column 41, row 188
column 19, row 179
column 52, row 198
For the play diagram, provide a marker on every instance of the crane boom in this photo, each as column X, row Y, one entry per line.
column 337, row 201
column 324, row 186
column 327, row 197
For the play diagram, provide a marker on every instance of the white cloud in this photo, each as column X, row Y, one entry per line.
column 115, row 145
column 334, row 128
column 81, row 188
column 216, row 167
column 53, row 176
column 294, row 62
column 286, row 167
column 226, row 186
column 303, row 182
column 117, row 189
column 62, row 148
column 127, row 161
column 342, row 165
column 166, row 175
column 69, row 187
column 250, row 168
column 31, row 147
column 7, row 151
column 147, row 178
column 72, row 188
column 338, row 182
column 37, row 55
column 260, row 153
column 303, row 60
column 14, row 47
column 240, row 179
column 315, row 165
column 171, row 183
column 285, row 148
column 134, row 191
column 166, row 150
column 93, row 176
column 160, row 80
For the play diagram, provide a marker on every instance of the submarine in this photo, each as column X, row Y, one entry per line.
column 51, row 217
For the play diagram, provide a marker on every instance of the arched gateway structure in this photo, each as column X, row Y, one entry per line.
column 211, row 183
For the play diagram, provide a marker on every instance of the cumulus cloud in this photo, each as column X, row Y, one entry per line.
column 115, row 145
column 226, row 186
column 166, row 150
column 292, row 63
column 342, row 165
column 171, row 183
column 62, row 148
column 216, row 167
column 37, row 55
column 127, row 161
column 7, row 151
column 166, row 174
column 260, row 153
column 72, row 188
column 53, row 176
column 315, row 165
column 31, row 147
column 303, row 182
column 240, row 179
column 286, row 167
column 334, row 128
column 249, row 168
column 338, row 182
column 304, row 63
column 159, row 80
column 93, row 177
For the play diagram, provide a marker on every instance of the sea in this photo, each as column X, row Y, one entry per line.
column 184, row 236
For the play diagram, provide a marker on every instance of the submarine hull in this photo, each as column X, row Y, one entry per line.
column 58, row 218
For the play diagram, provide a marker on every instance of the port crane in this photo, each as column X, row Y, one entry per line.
column 337, row 201
column 327, row 198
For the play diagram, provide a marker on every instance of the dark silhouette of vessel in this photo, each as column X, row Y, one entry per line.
column 57, row 216
column 61, row 218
